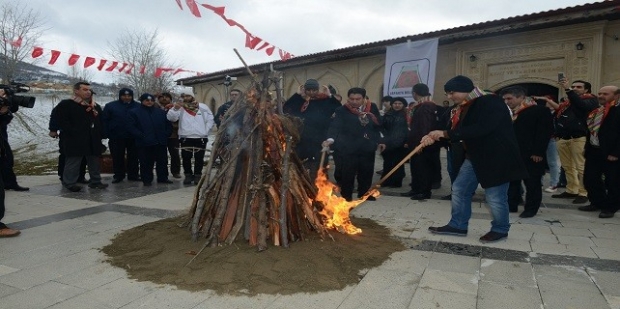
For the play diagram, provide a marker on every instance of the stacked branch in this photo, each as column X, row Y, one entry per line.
column 260, row 190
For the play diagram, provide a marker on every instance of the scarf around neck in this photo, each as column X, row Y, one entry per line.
column 191, row 108
column 90, row 107
column 362, row 114
column 595, row 119
column 320, row 96
column 528, row 102
column 455, row 114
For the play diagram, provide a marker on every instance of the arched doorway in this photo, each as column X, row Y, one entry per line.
column 536, row 89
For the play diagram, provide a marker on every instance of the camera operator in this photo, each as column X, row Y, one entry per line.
column 8, row 175
column 5, row 117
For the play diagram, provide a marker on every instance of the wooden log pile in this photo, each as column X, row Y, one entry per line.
column 260, row 191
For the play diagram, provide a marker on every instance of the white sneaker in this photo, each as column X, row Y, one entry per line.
column 551, row 189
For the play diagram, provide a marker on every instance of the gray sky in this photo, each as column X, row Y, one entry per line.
column 300, row 27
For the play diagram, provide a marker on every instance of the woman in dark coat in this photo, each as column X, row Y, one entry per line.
column 394, row 129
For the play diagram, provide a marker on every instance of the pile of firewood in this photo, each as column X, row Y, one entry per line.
column 260, row 190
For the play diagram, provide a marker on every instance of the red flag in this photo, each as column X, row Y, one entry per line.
column 129, row 69
column 193, row 7
column 17, row 43
column 55, row 55
column 73, row 59
column 160, row 71
column 142, row 69
column 263, row 46
column 89, row 61
column 269, row 50
column 180, row 5
column 101, row 64
column 112, row 66
column 219, row 10
column 37, row 52
column 179, row 71
column 251, row 42
column 122, row 67
column 284, row 55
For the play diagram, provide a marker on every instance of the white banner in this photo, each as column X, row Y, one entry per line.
column 408, row 64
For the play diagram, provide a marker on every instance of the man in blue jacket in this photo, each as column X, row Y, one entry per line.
column 115, row 119
column 150, row 128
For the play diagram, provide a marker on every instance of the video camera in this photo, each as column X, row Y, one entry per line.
column 15, row 100
column 228, row 80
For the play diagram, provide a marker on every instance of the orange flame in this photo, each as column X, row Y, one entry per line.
column 336, row 209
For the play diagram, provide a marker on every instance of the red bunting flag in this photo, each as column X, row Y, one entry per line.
column 101, row 64
column 219, row 10
column 55, row 55
column 269, row 50
column 284, row 55
column 263, row 46
column 160, row 71
column 122, row 67
column 142, row 69
column 251, row 42
column 129, row 69
column 17, row 43
column 112, row 66
column 193, row 7
column 37, row 52
column 89, row 61
column 73, row 59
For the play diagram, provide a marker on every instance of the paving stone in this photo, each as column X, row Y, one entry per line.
column 450, row 281
column 7, row 270
column 324, row 300
column 237, row 302
column 430, row 298
column 41, row 296
column 454, row 263
column 561, row 249
column 609, row 243
column 167, row 297
column 81, row 302
column 507, row 273
column 93, row 277
column 409, row 260
column 607, row 253
column 383, row 288
column 608, row 282
column 545, row 238
column 124, row 290
column 493, row 295
column 606, row 232
column 583, row 292
column 576, row 240
column 6, row 290
column 568, row 231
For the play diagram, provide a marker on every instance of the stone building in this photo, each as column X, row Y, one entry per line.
column 528, row 50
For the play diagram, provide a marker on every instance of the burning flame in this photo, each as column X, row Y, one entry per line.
column 336, row 209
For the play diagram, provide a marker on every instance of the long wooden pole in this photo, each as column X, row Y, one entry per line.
column 286, row 179
column 377, row 185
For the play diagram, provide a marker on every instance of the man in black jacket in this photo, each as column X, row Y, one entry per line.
column 355, row 135
column 235, row 94
column 602, row 151
column 533, row 126
column 79, row 121
column 5, row 231
column 570, row 125
column 482, row 121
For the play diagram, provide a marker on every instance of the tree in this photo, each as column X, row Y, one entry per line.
column 142, row 50
column 20, row 28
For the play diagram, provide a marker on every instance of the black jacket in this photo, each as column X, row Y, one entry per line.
column 394, row 129
column 608, row 135
column 533, row 128
column 149, row 126
column 488, row 137
column 350, row 136
column 423, row 121
column 577, row 112
column 81, row 131
column 221, row 111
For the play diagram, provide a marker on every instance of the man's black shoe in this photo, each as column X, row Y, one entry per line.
column 188, row 179
column 446, row 198
column 565, row 195
column 436, row 185
column 117, row 180
column 493, row 236
column 409, row 193
column 17, row 188
column 98, row 185
column 527, row 214
column 589, row 208
column 580, row 200
column 74, row 188
column 421, row 196
column 165, row 181
column 605, row 215
column 447, row 230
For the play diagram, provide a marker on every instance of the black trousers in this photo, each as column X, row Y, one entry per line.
column 149, row 155
column 533, row 193
column 603, row 194
column 193, row 147
column 2, row 195
column 392, row 157
column 175, row 158
column 436, row 172
column 358, row 166
column 118, row 148
column 8, row 175
column 422, row 170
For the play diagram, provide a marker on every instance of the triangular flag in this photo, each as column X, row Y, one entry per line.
column 73, row 59
column 17, row 43
column 122, row 67
column 89, row 61
column 160, row 71
column 37, row 52
column 142, row 69
column 101, row 64
column 129, row 69
column 263, row 46
column 251, row 42
column 269, row 50
column 219, row 10
column 112, row 66
column 284, row 55
column 193, row 7
column 55, row 55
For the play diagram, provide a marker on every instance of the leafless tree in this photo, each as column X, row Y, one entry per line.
column 20, row 28
column 142, row 49
column 77, row 73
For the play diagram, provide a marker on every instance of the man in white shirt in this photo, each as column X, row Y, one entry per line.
column 195, row 122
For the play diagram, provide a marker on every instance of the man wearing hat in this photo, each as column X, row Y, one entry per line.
column 315, row 109
column 423, row 121
column 115, row 118
column 483, row 123
column 151, row 129
column 195, row 122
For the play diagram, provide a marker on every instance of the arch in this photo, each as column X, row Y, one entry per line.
column 535, row 89
column 212, row 104
column 529, row 80
column 376, row 86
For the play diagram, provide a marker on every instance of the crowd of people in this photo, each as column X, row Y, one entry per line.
column 503, row 142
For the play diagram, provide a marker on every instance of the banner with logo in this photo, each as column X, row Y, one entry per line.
column 407, row 64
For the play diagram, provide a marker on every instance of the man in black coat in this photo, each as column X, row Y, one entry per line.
column 80, row 124
column 602, row 151
column 235, row 94
column 315, row 109
column 354, row 132
column 482, row 122
column 5, row 116
column 533, row 126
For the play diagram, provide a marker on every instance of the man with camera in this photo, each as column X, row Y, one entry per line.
column 235, row 94
column 5, row 116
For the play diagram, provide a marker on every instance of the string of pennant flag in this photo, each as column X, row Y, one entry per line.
column 251, row 41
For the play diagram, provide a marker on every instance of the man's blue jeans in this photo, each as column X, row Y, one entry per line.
column 464, row 188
